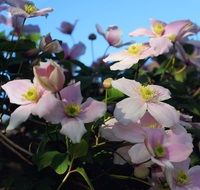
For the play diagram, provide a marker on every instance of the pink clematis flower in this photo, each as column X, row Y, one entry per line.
column 50, row 75
column 70, row 112
column 26, row 9
column 113, row 35
column 185, row 178
column 162, row 147
column 67, row 28
column 163, row 35
column 141, row 99
column 127, row 58
column 26, row 94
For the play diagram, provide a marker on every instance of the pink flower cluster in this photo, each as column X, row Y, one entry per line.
column 152, row 133
column 47, row 98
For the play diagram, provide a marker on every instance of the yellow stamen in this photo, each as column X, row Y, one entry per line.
column 158, row 28
column 31, row 94
column 135, row 49
column 159, row 151
column 30, row 8
column 172, row 37
column 147, row 93
column 182, row 178
column 72, row 109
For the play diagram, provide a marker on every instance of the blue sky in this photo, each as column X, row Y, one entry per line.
column 127, row 14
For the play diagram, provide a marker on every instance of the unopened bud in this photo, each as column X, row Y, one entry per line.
column 107, row 83
column 141, row 171
column 92, row 37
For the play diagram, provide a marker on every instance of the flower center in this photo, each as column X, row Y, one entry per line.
column 182, row 178
column 158, row 28
column 172, row 37
column 135, row 49
column 147, row 93
column 160, row 151
column 30, row 8
column 31, row 94
column 72, row 109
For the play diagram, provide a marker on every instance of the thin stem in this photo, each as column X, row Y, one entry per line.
column 92, row 50
column 72, row 39
column 14, row 151
column 15, row 145
column 67, row 175
column 106, row 51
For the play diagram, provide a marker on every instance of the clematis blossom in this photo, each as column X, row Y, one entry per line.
column 70, row 112
column 67, row 27
column 26, row 94
column 185, row 178
column 26, row 9
column 127, row 58
column 162, row 35
column 141, row 99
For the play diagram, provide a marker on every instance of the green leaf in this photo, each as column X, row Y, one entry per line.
column 82, row 172
column 60, row 163
column 79, row 149
column 46, row 159
column 114, row 94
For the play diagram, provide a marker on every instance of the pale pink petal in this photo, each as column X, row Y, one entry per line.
column 129, row 110
column 194, row 174
column 160, row 45
column 178, row 152
column 142, row 32
column 100, row 30
column 126, row 63
column 113, row 36
column 77, row 50
column 16, row 11
column 121, row 155
column 161, row 92
column 92, row 110
column 50, row 108
column 42, row 12
column 165, row 114
column 73, row 128
column 117, row 56
column 15, row 90
column 20, row 115
column 139, row 153
column 132, row 133
column 127, row 86
column 72, row 93
column 184, row 165
column 148, row 121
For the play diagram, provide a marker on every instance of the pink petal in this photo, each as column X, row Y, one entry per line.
column 178, row 152
column 165, row 114
column 42, row 12
column 100, row 30
column 139, row 154
column 148, row 121
column 127, row 86
column 50, row 108
column 142, row 32
column 194, row 174
column 73, row 128
column 72, row 93
column 15, row 90
column 92, row 110
column 131, row 133
column 129, row 110
column 20, row 115
column 161, row 92
column 77, row 50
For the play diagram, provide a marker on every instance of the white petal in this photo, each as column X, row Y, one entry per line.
column 20, row 115
column 129, row 110
column 73, row 128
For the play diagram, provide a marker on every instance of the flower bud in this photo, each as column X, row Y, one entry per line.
column 141, row 171
column 107, row 83
column 50, row 75
column 113, row 36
